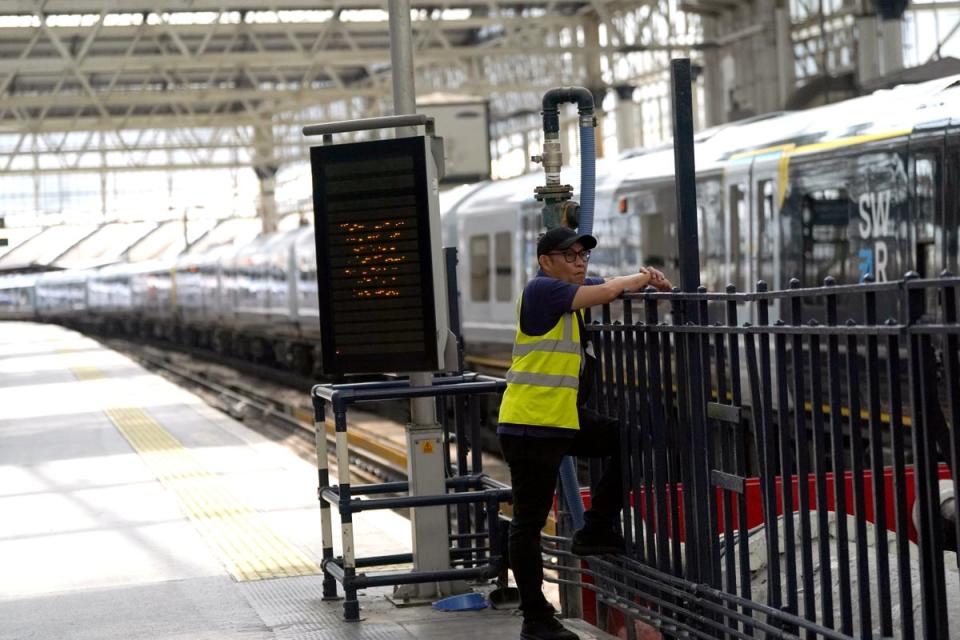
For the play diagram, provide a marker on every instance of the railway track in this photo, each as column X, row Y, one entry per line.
column 280, row 413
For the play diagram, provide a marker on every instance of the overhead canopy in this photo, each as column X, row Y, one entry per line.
column 135, row 84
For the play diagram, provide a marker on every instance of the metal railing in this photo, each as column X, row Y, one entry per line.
column 471, row 497
column 792, row 487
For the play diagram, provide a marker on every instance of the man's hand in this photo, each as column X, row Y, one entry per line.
column 592, row 295
column 657, row 279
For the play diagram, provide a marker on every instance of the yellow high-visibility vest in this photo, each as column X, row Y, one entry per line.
column 544, row 376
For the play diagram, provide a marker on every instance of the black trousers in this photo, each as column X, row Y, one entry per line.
column 534, row 463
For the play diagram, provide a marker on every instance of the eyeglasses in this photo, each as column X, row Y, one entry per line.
column 571, row 256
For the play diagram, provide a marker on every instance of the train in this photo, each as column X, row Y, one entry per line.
column 851, row 190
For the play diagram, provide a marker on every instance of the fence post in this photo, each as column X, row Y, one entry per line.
column 923, row 406
column 699, row 531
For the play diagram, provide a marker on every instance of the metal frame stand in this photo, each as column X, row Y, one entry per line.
column 474, row 488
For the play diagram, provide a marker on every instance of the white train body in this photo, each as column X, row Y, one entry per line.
column 838, row 190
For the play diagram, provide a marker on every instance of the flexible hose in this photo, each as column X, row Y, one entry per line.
column 570, row 488
column 588, row 177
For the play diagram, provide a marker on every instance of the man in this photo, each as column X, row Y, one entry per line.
column 540, row 415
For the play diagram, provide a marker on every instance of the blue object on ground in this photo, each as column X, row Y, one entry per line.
column 462, row 602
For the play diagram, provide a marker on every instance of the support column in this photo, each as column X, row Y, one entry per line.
column 786, row 63
column 425, row 473
column 431, row 541
column 266, row 167
column 594, row 74
column 36, row 178
column 626, row 118
column 765, row 49
column 103, row 178
column 401, row 59
column 868, row 44
column 891, row 46
column 713, row 81
column 879, row 47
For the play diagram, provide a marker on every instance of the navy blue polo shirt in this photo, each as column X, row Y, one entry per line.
column 544, row 302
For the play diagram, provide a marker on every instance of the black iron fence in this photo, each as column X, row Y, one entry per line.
column 788, row 459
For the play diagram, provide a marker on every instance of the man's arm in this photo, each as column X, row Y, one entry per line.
column 592, row 295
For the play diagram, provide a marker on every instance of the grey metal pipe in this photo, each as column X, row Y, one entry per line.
column 390, row 579
column 501, row 495
column 552, row 100
column 367, row 124
column 401, row 57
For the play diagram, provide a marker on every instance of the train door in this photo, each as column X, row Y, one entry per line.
column 710, row 228
column 765, row 233
column 949, row 225
column 527, row 250
column 488, row 304
column 926, row 173
column 766, row 227
column 738, row 231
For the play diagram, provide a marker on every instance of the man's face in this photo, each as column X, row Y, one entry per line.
column 555, row 265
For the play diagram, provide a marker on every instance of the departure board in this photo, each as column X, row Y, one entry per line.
column 374, row 263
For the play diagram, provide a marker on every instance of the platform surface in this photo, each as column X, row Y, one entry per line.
column 130, row 509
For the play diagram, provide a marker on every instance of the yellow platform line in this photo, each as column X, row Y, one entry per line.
column 87, row 373
column 248, row 548
column 82, row 373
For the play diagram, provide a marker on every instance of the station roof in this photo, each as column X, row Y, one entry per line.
column 243, row 76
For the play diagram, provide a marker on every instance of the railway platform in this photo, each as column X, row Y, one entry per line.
column 133, row 510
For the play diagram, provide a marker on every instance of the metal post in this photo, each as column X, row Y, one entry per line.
column 401, row 59
column 265, row 167
column 351, row 605
column 424, row 437
column 323, row 481
column 453, row 302
column 626, row 117
column 685, row 172
column 425, row 472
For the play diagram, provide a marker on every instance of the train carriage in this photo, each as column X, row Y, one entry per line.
column 18, row 297
column 62, row 295
column 847, row 190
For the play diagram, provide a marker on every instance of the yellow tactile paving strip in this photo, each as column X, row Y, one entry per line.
column 87, row 373
column 247, row 546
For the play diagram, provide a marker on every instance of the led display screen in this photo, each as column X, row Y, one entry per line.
column 374, row 264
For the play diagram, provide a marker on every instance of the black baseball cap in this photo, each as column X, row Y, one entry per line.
column 563, row 238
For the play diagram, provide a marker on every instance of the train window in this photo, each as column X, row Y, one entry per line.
column 951, row 218
column 657, row 227
column 503, row 254
column 925, row 212
column 710, row 231
column 480, row 268
column 737, row 236
column 766, row 233
column 620, row 247
column 826, row 245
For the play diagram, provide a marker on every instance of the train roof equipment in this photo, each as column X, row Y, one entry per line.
column 105, row 246
column 40, row 252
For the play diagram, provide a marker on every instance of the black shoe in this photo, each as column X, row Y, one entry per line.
column 545, row 629
column 594, row 541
